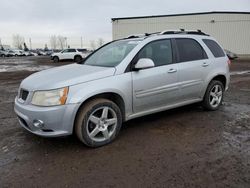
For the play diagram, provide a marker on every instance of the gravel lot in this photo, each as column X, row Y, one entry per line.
column 184, row 147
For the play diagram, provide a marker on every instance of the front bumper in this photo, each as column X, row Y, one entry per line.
column 58, row 120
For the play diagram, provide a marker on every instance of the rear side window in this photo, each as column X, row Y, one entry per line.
column 214, row 48
column 189, row 50
column 82, row 50
column 71, row 50
column 160, row 52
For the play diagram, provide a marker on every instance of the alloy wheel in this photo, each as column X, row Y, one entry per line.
column 101, row 124
column 215, row 96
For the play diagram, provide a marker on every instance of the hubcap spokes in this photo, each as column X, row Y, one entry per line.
column 215, row 96
column 101, row 124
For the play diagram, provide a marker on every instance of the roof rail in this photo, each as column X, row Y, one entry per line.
column 168, row 32
column 183, row 31
column 141, row 35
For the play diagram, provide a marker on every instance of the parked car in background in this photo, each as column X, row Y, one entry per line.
column 40, row 53
column 49, row 52
column 69, row 54
column 124, row 79
column 11, row 53
column 3, row 53
column 231, row 55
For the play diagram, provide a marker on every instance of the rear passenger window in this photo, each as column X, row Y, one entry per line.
column 190, row 50
column 214, row 48
column 158, row 51
column 71, row 50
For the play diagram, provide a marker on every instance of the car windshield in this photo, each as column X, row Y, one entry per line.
column 112, row 54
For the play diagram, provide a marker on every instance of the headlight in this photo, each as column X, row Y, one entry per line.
column 51, row 97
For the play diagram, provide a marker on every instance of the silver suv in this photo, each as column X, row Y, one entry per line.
column 122, row 80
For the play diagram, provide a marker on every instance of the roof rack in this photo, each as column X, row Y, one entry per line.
column 183, row 31
column 168, row 32
column 142, row 35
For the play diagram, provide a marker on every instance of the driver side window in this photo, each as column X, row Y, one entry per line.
column 160, row 52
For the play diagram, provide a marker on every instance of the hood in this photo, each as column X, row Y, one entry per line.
column 65, row 76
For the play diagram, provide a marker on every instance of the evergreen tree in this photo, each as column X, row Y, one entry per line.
column 46, row 48
column 25, row 47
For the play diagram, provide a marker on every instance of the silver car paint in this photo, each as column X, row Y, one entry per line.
column 143, row 92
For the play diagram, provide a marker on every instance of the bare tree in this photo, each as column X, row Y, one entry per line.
column 18, row 40
column 92, row 44
column 62, row 41
column 100, row 42
column 53, row 42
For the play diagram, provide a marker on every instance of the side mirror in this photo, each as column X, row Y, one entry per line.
column 144, row 63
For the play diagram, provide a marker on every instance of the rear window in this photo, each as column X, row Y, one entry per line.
column 190, row 50
column 214, row 48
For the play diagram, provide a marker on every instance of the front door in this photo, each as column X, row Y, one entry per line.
column 158, row 86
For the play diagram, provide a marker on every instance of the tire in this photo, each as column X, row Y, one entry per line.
column 78, row 58
column 55, row 59
column 213, row 96
column 2, row 55
column 92, row 127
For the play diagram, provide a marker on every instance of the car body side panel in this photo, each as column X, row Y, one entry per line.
column 118, row 84
column 155, row 87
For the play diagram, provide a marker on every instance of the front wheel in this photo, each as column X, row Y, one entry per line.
column 98, row 122
column 213, row 96
column 56, row 59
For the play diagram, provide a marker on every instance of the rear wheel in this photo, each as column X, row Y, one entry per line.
column 98, row 122
column 78, row 58
column 214, row 95
column 56, row 59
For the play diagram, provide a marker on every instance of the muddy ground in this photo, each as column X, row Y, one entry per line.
column 184, row 147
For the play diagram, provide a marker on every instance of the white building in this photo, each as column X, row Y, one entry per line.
column 231, row 29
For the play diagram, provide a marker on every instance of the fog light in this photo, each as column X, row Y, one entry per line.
column 38, row 123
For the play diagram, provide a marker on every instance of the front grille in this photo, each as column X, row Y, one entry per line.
column 23, row 94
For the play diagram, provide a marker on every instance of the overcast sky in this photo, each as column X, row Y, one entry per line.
column 91, row 19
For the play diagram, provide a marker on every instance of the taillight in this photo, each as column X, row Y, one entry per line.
column 229, row 62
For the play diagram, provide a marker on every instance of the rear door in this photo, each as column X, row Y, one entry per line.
column 71, row 53
column 193, row 68
column 158, row 86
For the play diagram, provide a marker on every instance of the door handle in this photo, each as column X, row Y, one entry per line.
column 205, row 64
column 172, row 70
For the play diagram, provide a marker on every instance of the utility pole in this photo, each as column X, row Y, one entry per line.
column 30, row 43
column 81, row 42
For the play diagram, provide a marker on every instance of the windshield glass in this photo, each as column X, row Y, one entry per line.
column 112, row 54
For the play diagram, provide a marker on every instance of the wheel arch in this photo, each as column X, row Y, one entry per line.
column 220, row 77
column 55, row 57
column 77, row 55
column 114, row 97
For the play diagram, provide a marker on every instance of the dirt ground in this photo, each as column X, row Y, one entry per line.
column 184, row 147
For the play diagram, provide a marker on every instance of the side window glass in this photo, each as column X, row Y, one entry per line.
column 71, row 50
column 189, row 50
column 214, row 48
column 160, row 52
